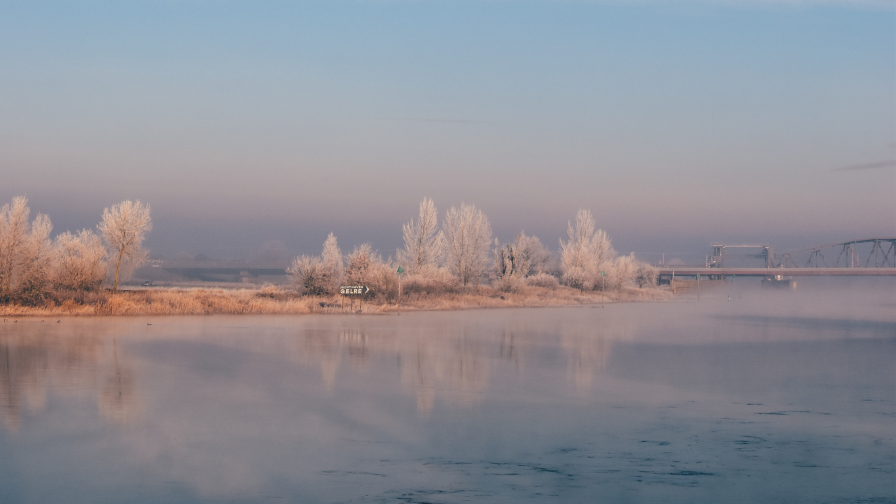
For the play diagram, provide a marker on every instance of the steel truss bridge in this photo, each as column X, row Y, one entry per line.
column 881, row 255
column 868, row 257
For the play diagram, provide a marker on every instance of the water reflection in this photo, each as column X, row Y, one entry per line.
column 453, row 365
column 117, row 401
column 685, row 401
column 448, row 363
column 38, row 357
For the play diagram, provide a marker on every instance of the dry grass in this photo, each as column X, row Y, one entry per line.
column 488, row 297
column 272, row 300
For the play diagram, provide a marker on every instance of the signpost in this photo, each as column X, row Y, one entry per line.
column 354, row 290
column 400, row 271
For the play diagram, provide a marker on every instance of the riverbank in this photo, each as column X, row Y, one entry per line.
column 273, row 300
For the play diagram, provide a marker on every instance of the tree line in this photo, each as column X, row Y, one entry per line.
column 461, row 253
column 32, row 264
column 457, row 254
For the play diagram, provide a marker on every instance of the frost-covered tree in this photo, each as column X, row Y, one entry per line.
column 585, row 254
column 36, row 265
column 422, row 241
column 23, row 248
column 645, row 275
column 317, row 276
column 525, row 256
column 358, row 264
column 14, row 227
column 123, row 229
column 309, row 275
column 621, row 271
column 366, row 267
column 331, row 258
column 468, row 235
column 80, row 261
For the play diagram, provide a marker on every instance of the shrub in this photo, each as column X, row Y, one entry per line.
column 318, row 276
column 366, row 267
column 310, row 276
column 434, row 282
column 543, row 280
column 645, row 275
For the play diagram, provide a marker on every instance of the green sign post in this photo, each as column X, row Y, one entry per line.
column 400, row 271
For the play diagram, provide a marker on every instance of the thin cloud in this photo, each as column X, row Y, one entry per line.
column 877, row 165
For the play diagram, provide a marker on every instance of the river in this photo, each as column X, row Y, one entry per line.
column 745, row 395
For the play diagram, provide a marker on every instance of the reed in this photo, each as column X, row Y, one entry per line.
column 274, row 300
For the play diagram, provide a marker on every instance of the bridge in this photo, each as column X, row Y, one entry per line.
column 867, row 257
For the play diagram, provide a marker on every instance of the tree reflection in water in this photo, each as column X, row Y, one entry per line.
column 454, row 362
column 40, row 358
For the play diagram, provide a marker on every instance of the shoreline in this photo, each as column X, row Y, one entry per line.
column 276, row 301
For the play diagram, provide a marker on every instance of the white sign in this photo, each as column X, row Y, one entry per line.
column 353, row 290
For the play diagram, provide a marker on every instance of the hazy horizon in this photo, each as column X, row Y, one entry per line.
column 240, row 123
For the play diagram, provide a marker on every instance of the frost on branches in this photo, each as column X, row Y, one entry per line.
column 322, row 275
column 423, row 242
column 585, row 254
column 468, row 235
column 25, row 252
column 123, row 229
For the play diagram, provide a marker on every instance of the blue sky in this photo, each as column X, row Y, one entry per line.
column 676, row 123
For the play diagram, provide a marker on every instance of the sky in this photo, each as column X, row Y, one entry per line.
column 676, row 123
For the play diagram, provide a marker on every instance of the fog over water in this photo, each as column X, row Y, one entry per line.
column 744, row 395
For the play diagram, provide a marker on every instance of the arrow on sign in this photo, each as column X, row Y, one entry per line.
column 353, row 290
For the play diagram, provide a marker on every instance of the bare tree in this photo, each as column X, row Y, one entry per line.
column 80, row 261
column 123, row 228
column 468, row 235
column 586, row 253
column 422, row 241
column 23, row 250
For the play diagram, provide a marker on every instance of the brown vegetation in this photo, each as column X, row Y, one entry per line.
column 273, row 300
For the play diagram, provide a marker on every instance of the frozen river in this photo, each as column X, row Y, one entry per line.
column 746, row 395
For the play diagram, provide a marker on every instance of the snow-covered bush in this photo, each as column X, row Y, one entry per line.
column 318, row 276
column 80, row 261
column 365, row 267
column 543, row 280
